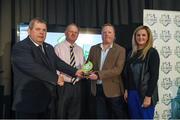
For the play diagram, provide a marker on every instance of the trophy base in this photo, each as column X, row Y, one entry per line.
column 86, row 75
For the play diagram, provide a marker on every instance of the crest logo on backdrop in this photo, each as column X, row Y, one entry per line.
column 155, row 35
column 151, row 19
column 177, row 20
column 166, row 114
column 166, row 83
column 166, row 99
column 166, row 67
column 166, row 51
column 177, row 82
column 177, row 67
column 177, row 51
column 165, row 19
column 165, row 35
column 177, row 36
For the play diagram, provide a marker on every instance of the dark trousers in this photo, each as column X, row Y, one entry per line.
column 109, row 107
column 69, row 101
column 49, row 113
column 23, row 115
column 86, row 100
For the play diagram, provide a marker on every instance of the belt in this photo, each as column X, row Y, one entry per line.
column 98, row 85
column 99, row 82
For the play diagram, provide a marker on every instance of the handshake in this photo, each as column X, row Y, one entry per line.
column 85, row 72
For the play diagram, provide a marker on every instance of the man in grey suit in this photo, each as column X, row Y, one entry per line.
column 108, row 59
column 34, row 65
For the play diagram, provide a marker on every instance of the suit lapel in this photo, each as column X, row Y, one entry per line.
column 38, row 54
column 98, row 57
column 48, row 55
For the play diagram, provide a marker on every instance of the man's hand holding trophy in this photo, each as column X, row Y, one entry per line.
column 87, row 68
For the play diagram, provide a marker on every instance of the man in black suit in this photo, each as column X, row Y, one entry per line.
column 34, row 66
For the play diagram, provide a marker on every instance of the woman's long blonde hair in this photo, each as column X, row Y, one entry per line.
column 148, row 45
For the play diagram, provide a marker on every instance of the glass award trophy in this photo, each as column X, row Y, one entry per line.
column 87, row 68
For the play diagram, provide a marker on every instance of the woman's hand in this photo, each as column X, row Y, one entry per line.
column 126, row 95
column 147, row 102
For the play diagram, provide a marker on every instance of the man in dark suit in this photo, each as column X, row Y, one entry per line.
column 34, row 66
column 108, row 59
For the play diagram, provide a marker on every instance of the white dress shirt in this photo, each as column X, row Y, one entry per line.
column 63, row 51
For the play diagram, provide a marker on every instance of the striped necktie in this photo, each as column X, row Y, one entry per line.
column 72, row 57
column 72, row 60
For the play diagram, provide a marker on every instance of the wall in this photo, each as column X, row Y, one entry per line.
column 165, row 26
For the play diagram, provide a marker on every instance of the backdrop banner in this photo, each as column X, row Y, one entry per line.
column 165, row 26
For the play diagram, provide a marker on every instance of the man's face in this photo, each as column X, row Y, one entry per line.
column 72, row 33
column 108, row 35
column 38, row 32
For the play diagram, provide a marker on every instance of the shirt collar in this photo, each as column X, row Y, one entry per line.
column 69, row 44
column 101, row 45
column 33, row 42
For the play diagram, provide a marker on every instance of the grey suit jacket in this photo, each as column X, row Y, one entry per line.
column 111, row 70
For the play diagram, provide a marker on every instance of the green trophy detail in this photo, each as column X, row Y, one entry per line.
column 87, row 68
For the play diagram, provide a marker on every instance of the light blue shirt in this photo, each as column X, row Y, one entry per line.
column 104, row 53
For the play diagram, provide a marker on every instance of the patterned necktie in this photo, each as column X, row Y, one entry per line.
column 72, row 57
column 72, row 61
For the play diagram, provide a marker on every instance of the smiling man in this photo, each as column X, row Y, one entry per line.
column 35, row 79
column 69, row 102
column 108, row 59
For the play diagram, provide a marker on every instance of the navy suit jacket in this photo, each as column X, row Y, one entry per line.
column 35, row 77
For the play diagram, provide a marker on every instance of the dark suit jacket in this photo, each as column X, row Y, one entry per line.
column 111, row 70
column 35, row 76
